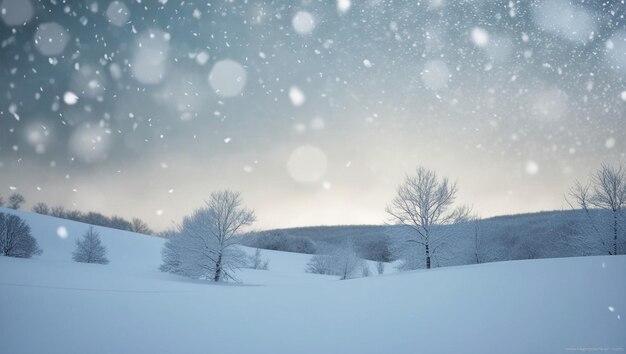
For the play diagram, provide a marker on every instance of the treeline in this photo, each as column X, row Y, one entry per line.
column 16, row 240
column 369, row 241
column 565, row 233
column 16, row 200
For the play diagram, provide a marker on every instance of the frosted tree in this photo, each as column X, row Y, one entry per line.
column 347, row 261
column 605, row 190
column 15, row 237
column 423, row 201
column 365, row 270
column 341, row 260
column 15, row 201
column 205, row 244
column 1, row 201
column 89, row 249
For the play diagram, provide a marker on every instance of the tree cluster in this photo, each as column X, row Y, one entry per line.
column 15, row 237
column 341, row 261
column 93, row 218
column 278, row 240
column 605, row 190
column 15, row 201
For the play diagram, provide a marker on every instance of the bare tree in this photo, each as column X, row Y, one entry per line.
column 205, row 244
column 606, row 190
column 118, row 222
column 423, row 201
column 57, row 211
column 140, row 227
column 41, row 208
column 321, row 263
column 1, row 201
column 15, row 201
column 89, row 249
column 15, row 237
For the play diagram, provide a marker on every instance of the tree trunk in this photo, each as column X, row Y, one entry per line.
column 427, row 256
column 218, row 268
column 614, row 232
column 476, row 247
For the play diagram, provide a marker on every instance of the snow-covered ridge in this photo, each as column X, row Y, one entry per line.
column 548, row 234
column 49, row 304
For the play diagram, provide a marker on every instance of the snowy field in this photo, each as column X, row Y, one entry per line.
column 49, row 304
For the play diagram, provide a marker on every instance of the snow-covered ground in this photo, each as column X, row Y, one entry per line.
column 49, row 304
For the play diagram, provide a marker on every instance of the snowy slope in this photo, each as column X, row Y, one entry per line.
column 49, row 304
column 141, row 254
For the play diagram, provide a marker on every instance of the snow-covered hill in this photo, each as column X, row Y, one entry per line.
column 135, row 253
column 48, row 304
column 548, row 234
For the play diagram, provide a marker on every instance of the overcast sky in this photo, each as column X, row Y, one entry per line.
column 313, row 110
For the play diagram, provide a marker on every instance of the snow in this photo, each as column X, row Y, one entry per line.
column 532, row 167
column 202, row 58
column 480, row 37
column 307, row 163
column 116, row 71
column 303, row 22
column 51, row 38
column 52, row 305
column 317, row 123
column 617, row 52
column 117, row 13
column 13, row 111
column 609, row 143
column 564, row 19
column 90, row 143
column 62, row 232
column 16, row 12
column 343, row 6
column 150, row 57
column 435, row 74
column 228, row 78
column 463, row 75
column 37, row 136
column 296, row 96
column 70, row 98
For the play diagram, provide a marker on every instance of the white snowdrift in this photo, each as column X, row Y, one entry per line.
column 49, row 304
